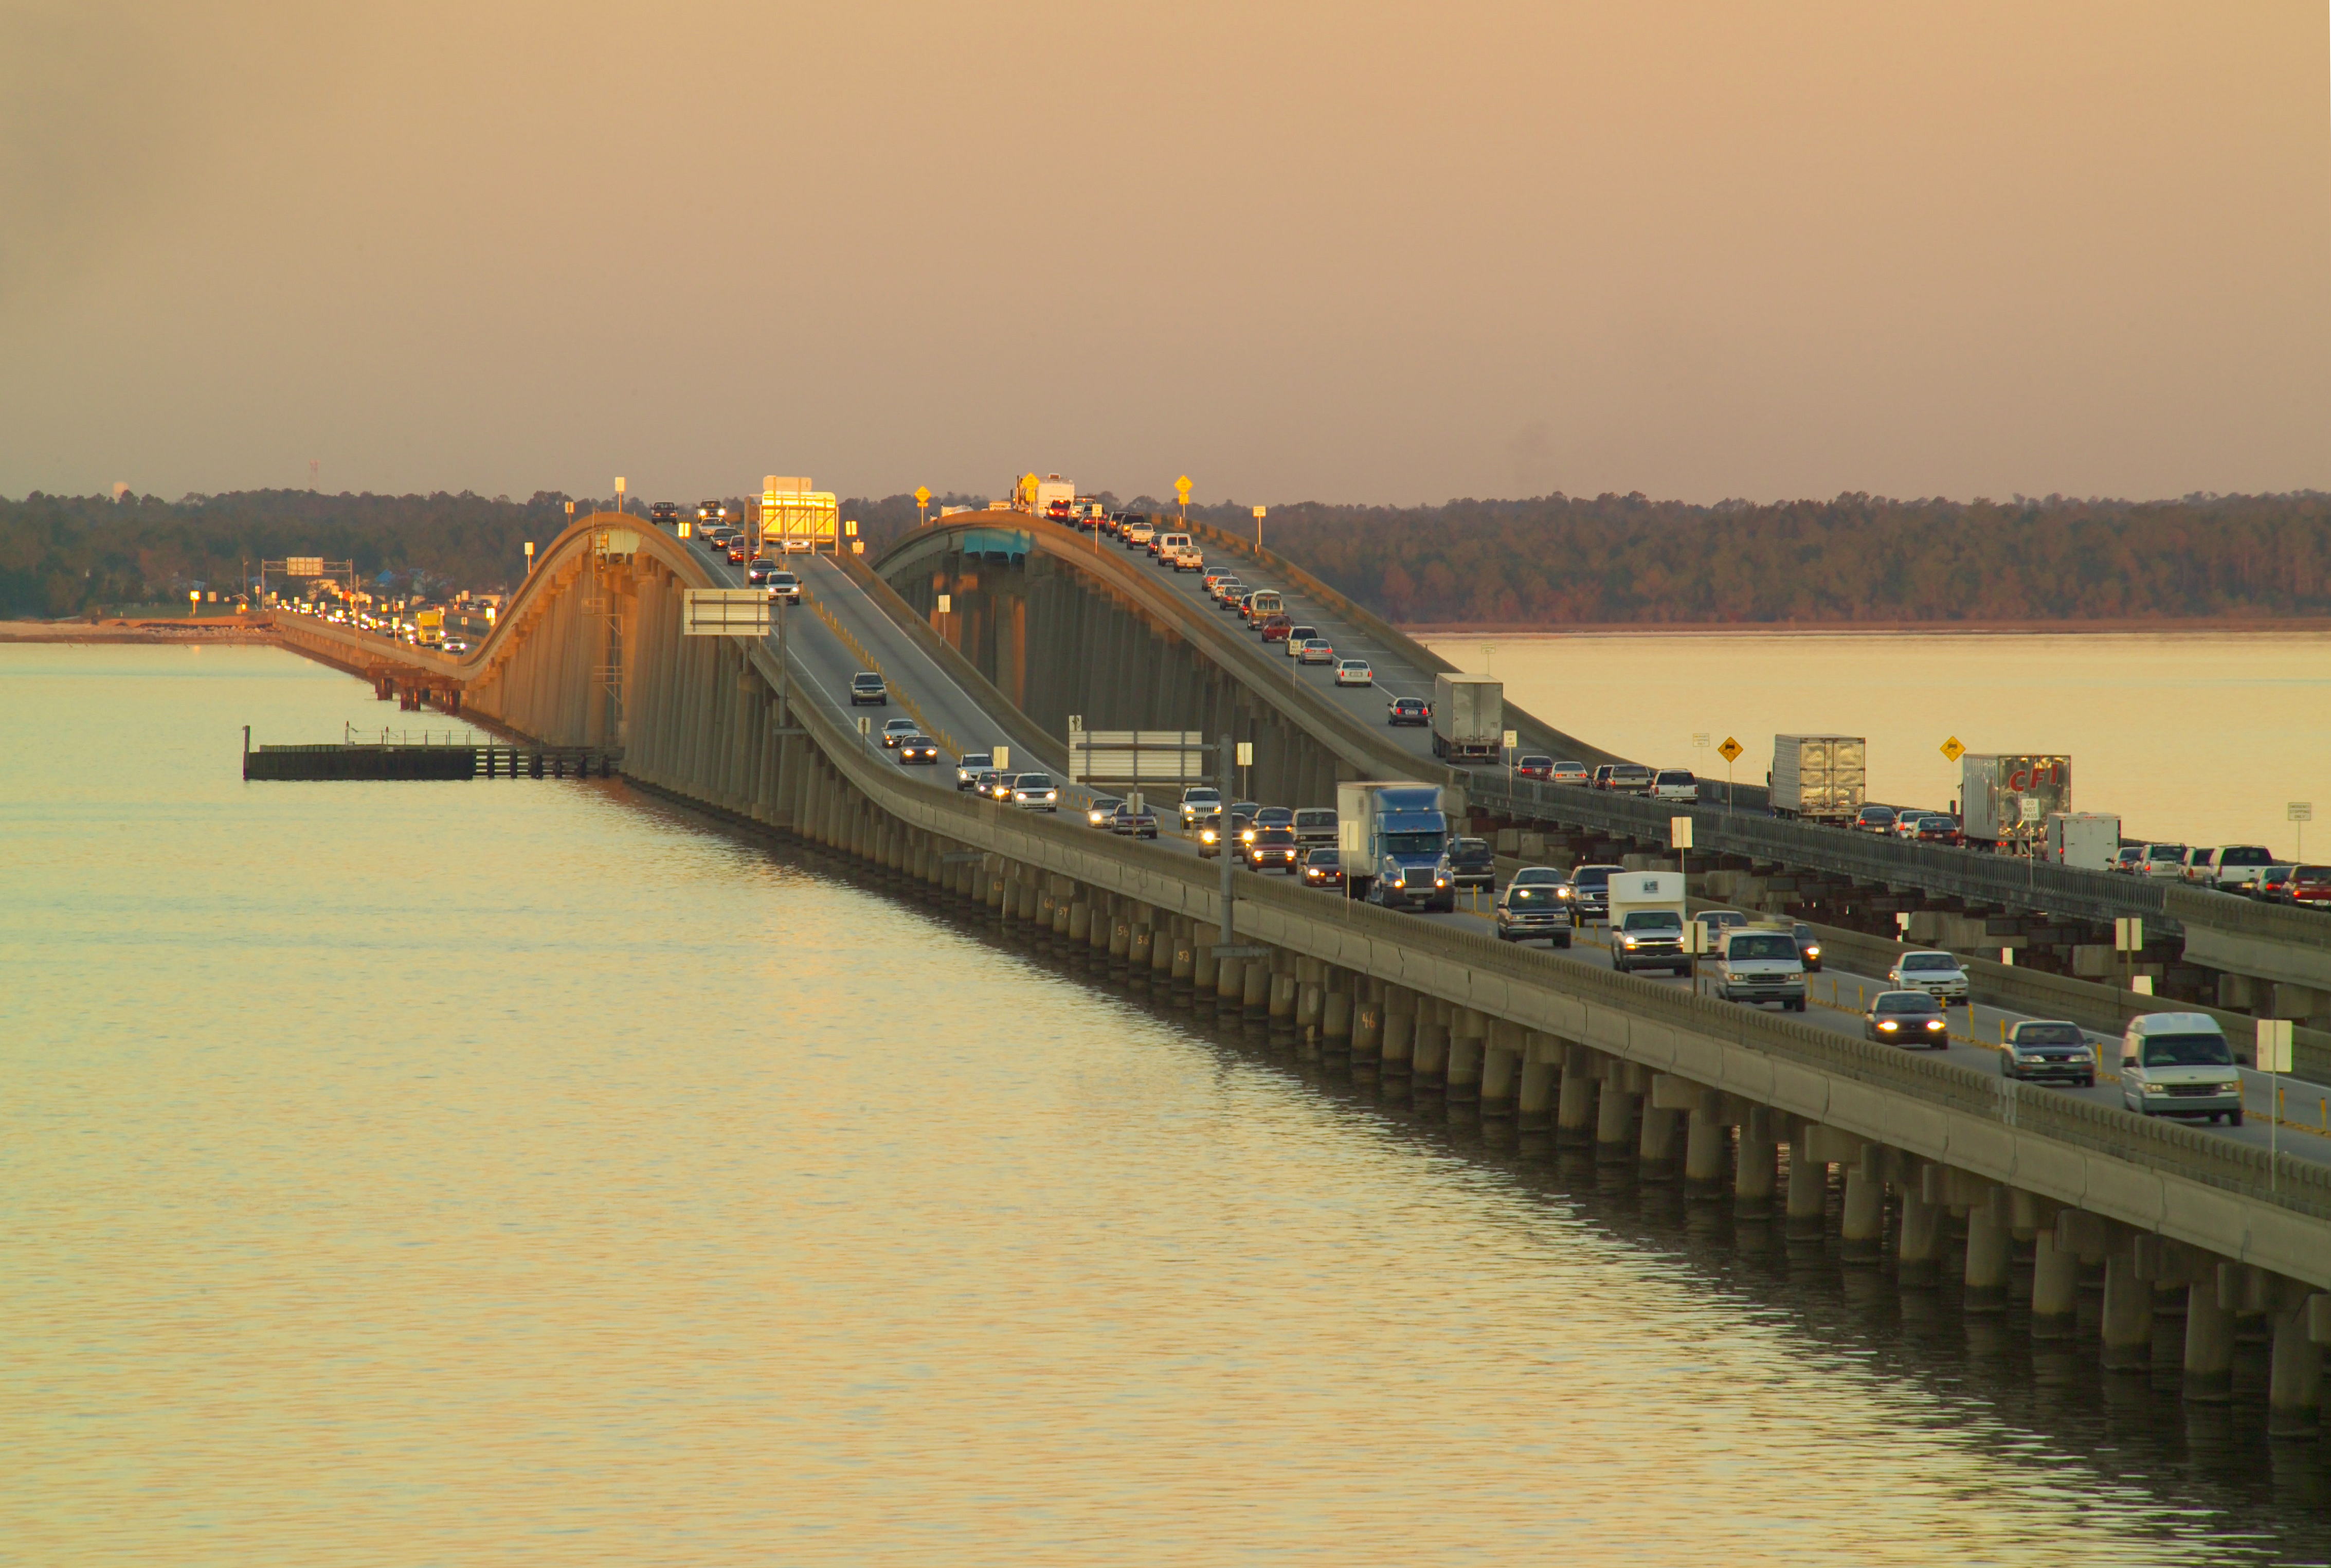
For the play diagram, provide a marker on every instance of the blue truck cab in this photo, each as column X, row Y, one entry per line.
column 1395, row 844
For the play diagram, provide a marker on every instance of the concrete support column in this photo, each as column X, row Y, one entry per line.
column 1139, row 941
column 1469, row 1032
column 1232, row 984
column 1161, row 947
column 1655, row 1150
column 1501, row 1066
column 1808, row 1205
column 1576, row 1114
column 2209, row 1343
column 1044, row 907
column 1757, row 1168
column 1399, row 1028
column 1862, row 1235
column 1540, row 1079
column 1615, row 1121
column 1919, row 1250
column 1335, row 1020
column 2295, row 1384
column 2055, row 1287
column 1183, row 963
column 1988, row 1249
column 1367, row 1030
column 1081, row 921
column 1206, row 969
column 1120, row 936
column 1255, row 994
column 1429, row 1062
column 2127, row 1326
column 1101, row 936
column 1284, row 989
column 1703, row 1152
column 1027, row 893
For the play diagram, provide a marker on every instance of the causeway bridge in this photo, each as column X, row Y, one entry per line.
column 2183, row 1238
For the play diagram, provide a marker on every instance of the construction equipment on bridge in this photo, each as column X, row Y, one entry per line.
column 1135, row 755
column 797, row 516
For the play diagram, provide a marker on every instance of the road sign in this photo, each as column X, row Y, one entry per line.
column 1952, row 750
column 1730, row 750
column 947, row 603
column 922, row 495
column 1511, row 740
column 2274, row 1045
column 1246, row 754
column 1679, row 832
column 1135, row 757
column 2297, row 812
column 2128, row 933
column 725, row 612
column 1258, row 514
column 1181, row 488
column 313, row 566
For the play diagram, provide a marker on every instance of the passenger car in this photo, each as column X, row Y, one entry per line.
column 1001, row 788
column 1314, row 825
column 1628, row 778
column 1716, row 923
column 1133, row 822
column 989, row 779
column 1036, row 792
column 897, row 730
column 2178, row 1064
column 1938, row 974
column 2162, row 860
column 786, row 586
column 1535, row 766
column 1472, row 864
column 1590, row 892
column 1200, row 800
column 920, row 750
column 1353, row 673
column 1275, row 628
column 1569, row 772
column 756, row 571
column 1323, row 868
column 1909, row 1017
column 2309, row 885
column 867, row 687
column 970, row 765
column 1648, row 939
column 1297, row 634
column 1873, row 820
column 1103, row 807
column 1315, row 650
column 1935, row 828
column 1674, row 784
column 1808, row 946
column 2040, row 1049
column 1272, row 850
column 1408, row 711
column 1533, row 906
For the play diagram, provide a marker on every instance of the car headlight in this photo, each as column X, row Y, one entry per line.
column 1051, row 794
column 1631, row 941
column 1440, row 881
column 1563, row 893
column 2156, row 1088
column 1888, row 1024
column 1934, row 1024
column 1208, row 836
column 1812, row 950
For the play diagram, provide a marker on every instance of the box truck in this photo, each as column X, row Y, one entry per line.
column 2088, row 840
column 1647, row 914
column 1393, row 842
column 1821, row 778
column 2005, row 798
column 1469, row 717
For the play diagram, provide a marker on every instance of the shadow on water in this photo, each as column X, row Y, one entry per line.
column 2047, row 1404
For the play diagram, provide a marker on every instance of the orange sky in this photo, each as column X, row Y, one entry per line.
column 1359, row 252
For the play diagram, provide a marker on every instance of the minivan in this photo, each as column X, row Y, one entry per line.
column 1262, row 603
column 2178, row 1064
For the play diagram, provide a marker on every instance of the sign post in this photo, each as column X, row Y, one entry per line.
column 922, row 505
column 1258, row 533
column 2300, row 813
column 2274, row 1061
column 1245, row 762
column 1730, row 752
column 2128, row 940
column 1181, row 488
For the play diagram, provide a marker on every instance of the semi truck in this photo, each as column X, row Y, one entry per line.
column 1819, row 778
column 1393, row 838
column 1469, row 717
column 2088, row 840
column 2005, row 798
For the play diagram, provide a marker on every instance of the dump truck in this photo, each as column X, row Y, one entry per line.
column 1469, row 717
column 1819, row 778
column 2005, row 798
column 1393, row 838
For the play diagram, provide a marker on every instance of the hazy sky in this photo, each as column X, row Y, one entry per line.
column 1348, row 251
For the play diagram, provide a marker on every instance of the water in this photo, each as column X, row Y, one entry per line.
column 2200, row 738
column 526, row 1171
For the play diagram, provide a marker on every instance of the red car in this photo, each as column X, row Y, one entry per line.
column 1275, row 628
column 737, row 553
column 2310, row 885
column 1536, row 767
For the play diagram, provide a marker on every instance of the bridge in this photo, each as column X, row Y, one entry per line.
column 1932, row 1163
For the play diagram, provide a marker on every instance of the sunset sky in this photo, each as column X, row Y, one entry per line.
column 1359, row 252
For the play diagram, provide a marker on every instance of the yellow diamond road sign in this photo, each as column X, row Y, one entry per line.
column 1952, row 750
column 922, row 495
column 1730, row 750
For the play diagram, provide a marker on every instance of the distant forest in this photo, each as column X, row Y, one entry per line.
column 1561, row 559
column 1550, row 561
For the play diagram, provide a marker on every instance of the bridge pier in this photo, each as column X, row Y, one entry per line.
column 1541, row 1074
column 1469, row 1036
column 1578, row 1112
column 1399, row 1029
column 1918, row 1250
column 2295, row 1376
column 1254, row 992
column 1614, row 1115
column 1704, row 1148
column 1755, row 1166
column 1863, row 1231
column 1501, row 1063
column 1988, row 1251
column 2055, row 1287
column 1428, row 1058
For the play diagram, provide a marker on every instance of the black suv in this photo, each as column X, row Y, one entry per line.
column 1472, row 864
column 867, row 687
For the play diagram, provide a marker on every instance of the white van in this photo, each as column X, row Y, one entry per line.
column 1264, row 602
column 2178, row 1064
column 1762, row 964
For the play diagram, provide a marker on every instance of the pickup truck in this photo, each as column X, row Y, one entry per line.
column 1761, row 965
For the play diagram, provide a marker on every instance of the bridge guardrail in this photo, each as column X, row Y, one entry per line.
column 2246, row 916
column 2284, row 1182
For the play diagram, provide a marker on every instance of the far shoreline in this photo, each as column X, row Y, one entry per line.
column 2219, row 624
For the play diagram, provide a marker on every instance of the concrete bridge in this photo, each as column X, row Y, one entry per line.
column 1936, row 1165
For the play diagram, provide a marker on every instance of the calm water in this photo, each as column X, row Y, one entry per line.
column 2198, row 737
column 527, row 1173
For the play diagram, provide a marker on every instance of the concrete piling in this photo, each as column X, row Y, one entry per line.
column 1335, row 1020
column 2127, row 1327
column 1254, row 997
column 1988, row 1250
column 1079, row 921
column 1703, row 1152
column 2209, row 1341
column 1368, row 1032
column 2294, row 1378
column 1399, row 1028
column 1614, row 1122
column 1918, row 1251
column 1655, row 1148
column 1755, row 1167
column 1469, row 1032
column 1428, row 1062
column 1541, row 1078
column 2055, row 1287
column 1862, row 1233
column 1577, row 1114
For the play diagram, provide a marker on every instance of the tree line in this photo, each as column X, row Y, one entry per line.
column 1627, row 559
column 1551, row 560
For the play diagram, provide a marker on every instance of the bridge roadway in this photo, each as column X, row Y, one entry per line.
column 871, row 639
column 2159, row 1204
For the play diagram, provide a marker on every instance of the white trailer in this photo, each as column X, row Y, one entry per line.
column 1469, row 717
column 2088, row 840
column 1821, row 778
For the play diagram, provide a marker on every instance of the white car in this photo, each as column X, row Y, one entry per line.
column 1355, row 673
column 1675, row 783
column 897, row 732
column 1315, row 650
column 1200, row 800
column 1035, row 792
column 1938, row 974
column 2162, row 860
